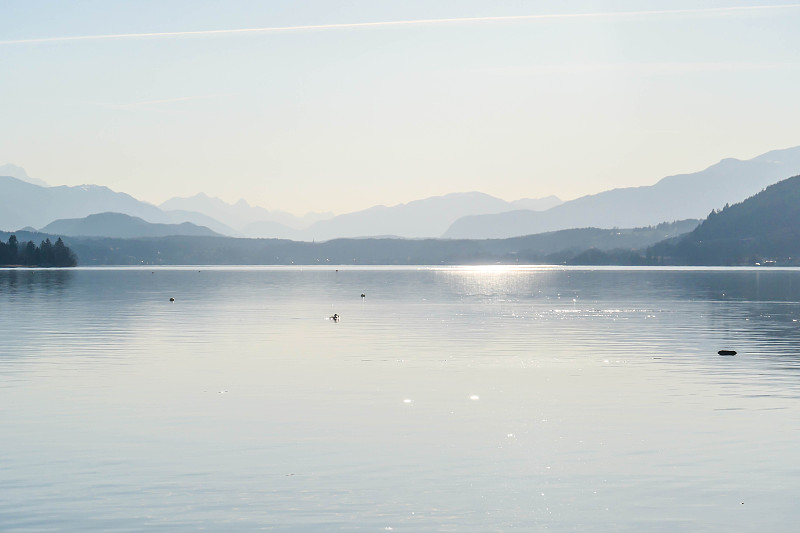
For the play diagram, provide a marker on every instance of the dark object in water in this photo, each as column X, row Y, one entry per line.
column 172, row 299
column 335, row 317
column 363, row 295
column 726, row 352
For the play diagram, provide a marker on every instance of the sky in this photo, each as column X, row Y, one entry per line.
column 341, row 105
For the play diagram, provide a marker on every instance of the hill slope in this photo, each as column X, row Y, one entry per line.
column 118, row 225
column 199, row 219
column 763, row 227
column 187, row 250
column 672, row 198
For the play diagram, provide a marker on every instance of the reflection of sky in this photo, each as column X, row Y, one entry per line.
column 446, row 398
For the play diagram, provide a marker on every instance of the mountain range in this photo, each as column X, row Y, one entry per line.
column 761, row 230
column 555, row 247
column 24, row 204
column 418, row 219
column 429, row 217
column 672, row 198
column 457, row 216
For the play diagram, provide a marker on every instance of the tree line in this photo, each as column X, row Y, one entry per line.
column 46, row 254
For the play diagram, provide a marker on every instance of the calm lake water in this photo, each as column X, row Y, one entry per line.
column 447, row 399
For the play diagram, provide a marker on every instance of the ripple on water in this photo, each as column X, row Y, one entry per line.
column 449, row 399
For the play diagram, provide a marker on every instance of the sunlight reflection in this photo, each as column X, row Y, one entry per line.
column 500, row 281
column 502, row 269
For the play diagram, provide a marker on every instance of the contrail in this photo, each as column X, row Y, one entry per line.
column 168, row 100
column 416, row 22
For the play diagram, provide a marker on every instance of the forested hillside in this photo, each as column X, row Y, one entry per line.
column 763, row 228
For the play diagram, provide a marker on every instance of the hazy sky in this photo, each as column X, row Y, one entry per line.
column 341, row 116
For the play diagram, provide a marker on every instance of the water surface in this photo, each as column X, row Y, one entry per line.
column 447, row 399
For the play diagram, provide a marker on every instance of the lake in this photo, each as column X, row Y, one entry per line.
column 446, row 399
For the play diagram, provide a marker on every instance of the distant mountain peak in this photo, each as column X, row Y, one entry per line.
column 9, row 169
